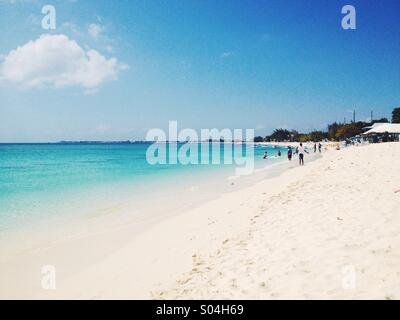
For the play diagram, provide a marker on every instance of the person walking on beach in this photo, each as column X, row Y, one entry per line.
column 319, row 147
column 301, row 152
column 315, row 147
column 289, row 154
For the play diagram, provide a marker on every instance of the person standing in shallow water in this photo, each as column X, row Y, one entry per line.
column 301, row 152
column 289, row 154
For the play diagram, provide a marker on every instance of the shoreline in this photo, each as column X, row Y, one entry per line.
column 164, row 243
column 100, row 234
column 180, row 256
column 23, row 207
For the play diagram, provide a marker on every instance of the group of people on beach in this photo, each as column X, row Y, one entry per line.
column 300, row 151
column 319, row 147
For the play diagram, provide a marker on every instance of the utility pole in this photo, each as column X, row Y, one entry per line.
column 354, row 116
column 372, row 116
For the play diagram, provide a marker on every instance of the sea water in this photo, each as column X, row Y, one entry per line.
column 41, row 181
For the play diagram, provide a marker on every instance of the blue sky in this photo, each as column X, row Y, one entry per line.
column 225, row 64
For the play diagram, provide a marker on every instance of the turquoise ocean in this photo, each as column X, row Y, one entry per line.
column 38, row 181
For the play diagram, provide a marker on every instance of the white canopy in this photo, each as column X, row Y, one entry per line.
column 374, row 125
column 385, row 127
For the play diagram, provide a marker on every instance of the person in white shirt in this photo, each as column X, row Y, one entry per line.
column 301, row 152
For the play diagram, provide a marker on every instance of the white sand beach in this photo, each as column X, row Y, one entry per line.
column 328, row 230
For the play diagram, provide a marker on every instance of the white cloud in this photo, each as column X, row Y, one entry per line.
column 94, row 30
column 57, row 61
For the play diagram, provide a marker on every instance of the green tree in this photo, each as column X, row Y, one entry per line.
column 348, row 130
column 317, row 136
column 303, row 137
column 381, row 120
column 280, row 135
column 396, row 115
column 258, row 139
column 332, row 130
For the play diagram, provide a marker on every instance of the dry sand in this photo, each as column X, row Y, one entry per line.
column 334, row 233
column 329, row 229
